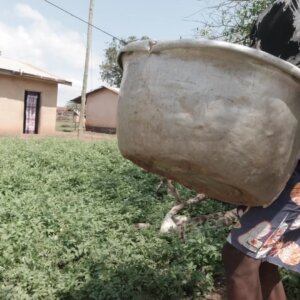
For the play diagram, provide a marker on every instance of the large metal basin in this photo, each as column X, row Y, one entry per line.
column 219, row 118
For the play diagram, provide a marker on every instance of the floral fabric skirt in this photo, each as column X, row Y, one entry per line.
column 273, row 233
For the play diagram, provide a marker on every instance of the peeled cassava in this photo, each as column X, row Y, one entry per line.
column 219, row 118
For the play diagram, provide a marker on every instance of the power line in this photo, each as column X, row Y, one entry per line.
column 82, row 20
column 193, row 14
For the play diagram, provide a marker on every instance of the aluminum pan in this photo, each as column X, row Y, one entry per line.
column 152, row 46
column 154, row 126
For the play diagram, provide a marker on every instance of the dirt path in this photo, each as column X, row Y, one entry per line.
column 219, row 294
column 86, row 136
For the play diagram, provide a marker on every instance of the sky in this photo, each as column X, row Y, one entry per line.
column 35, row 32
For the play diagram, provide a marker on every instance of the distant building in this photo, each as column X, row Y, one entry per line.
column 101, row 109
column 28, row 98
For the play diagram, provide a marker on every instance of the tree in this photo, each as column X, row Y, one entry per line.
column 109, row 69
column 72, row 106
column 232, row 20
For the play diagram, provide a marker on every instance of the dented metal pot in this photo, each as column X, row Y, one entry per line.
column 219, row 118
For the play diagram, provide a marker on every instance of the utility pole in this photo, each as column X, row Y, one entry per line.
column 86, row 69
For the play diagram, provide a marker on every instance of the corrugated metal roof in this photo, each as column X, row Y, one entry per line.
column 113, row 89
column 17, row 68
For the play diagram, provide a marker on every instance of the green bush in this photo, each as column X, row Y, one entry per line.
column 67, row 210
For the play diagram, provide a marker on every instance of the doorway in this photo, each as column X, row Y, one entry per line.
column 31, row 112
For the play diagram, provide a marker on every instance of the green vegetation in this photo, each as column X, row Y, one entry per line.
column 68, row 210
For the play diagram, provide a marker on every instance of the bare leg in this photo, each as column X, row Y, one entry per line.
column 242, row 272
column 271, row 285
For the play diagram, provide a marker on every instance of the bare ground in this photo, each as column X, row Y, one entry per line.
column 86, row 136
column 219, row 294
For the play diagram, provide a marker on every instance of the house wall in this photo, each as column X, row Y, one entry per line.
column 101, row 111
column 12, row 94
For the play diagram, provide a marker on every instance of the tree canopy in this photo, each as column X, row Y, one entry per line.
column 232, row 20
column 109, row 70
